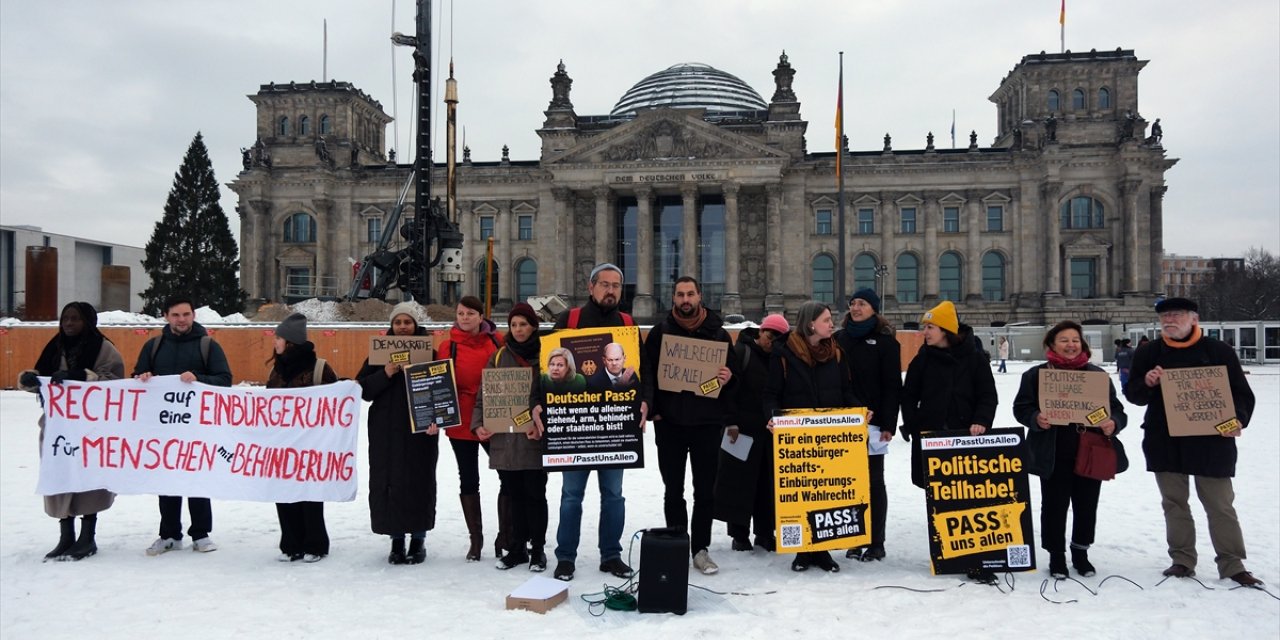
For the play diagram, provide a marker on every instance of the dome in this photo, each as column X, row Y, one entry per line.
column 687, row 86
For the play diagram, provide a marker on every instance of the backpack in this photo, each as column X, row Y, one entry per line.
column 204, row 349
column 576, row 313
column 453, row 346
column 317, row 375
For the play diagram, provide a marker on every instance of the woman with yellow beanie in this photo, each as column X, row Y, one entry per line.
column 949, row 386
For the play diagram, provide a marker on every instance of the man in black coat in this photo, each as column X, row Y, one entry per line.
column 688, row 424
column 1210, row 459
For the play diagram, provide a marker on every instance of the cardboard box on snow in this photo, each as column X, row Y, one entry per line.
column 538, row 594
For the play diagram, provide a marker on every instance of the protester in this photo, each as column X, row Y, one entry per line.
column 471, row 343
column 303, row 535
column 522, row 498
column 1210, row 459
column 1053, row 449
column 184, row 349
column 688, row 425
column 604, row 287
column 807, row 372
column 402, row 464
column 744, row 488
column 79, row 352
column 1124, row 360
column 949, row 385
column 874, row 358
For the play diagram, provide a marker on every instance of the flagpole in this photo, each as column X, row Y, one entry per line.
column 840, row 263
column 953, row 128
column 1062, row 27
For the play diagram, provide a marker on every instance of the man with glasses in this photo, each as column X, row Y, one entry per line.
column 1210, row 459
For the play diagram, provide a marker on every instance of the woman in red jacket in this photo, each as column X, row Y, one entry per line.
column 472, row 341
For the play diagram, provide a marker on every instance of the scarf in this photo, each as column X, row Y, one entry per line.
column 1195, row 336
column 296, row 359
column 690, row 324
column 859, row 330
column 811, row 355
column 527, row 350
column 1058, row 362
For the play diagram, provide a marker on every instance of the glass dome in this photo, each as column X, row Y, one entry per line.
column 687, row 86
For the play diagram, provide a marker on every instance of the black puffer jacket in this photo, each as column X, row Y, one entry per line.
column 793, row 384
column 946, row 389
column 875, row 364
column 1212, row 456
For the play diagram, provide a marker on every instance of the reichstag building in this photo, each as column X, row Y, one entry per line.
column 693, row 172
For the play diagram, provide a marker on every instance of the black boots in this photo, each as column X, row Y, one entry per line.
column 475, row 524
column 1058, row 564
column 397, row 551
column 85, row 546
column 1080, row 560
column 417, row 551
column 66, row 538
column 503, row 541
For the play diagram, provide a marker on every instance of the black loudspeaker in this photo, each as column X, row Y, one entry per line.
column 664, row 572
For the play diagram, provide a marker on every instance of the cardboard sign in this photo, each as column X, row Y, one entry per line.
column 690, row 364
column 538, row 594
column 1074, row 396
column 823, row 491
column 504, row 393
column 168, row 437
column 400, row 349
column 1198, row 402
column 978, row 501
column 591, row 423
column 433, row 395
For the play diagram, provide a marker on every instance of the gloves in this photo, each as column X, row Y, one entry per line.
column 29, row 379
column 62, row 376
column 906, row 435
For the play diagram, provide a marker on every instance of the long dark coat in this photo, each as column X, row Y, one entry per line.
column 1056, row 445
column 736, row 480
column 1212, row 456
column 402, row 464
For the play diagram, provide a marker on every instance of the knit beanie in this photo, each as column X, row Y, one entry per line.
column 944, row 316
column 293, row 329
column 407, row 309
column 775, row 322
column 525, row 311
column 870, row 296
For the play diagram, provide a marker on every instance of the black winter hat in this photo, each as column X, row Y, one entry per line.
column 293, row 329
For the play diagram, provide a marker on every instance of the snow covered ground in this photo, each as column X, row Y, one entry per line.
column 240, row 591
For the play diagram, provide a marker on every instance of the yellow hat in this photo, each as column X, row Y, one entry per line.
column 944, row 316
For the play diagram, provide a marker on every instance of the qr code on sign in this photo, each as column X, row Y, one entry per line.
column 792, row 535
column 1019, row 556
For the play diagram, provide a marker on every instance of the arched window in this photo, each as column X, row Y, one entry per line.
column 326, row 125
column 824, row 278
column 304, row 126
column 526, row 279
column 864, row 272
column 993, row 277
column 1082, row 212
column 282, row 128
column 482, row 281
column 949, row 277
column 1077, row 99
column 1054, row 100
column 300, row 227
column 1104, row 98
column 908, row 272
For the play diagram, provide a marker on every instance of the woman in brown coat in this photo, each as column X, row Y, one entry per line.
column 79, row 352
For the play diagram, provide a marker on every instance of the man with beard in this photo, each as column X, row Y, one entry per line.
column 687, row 424
column 1210, row 459
column 601, row 310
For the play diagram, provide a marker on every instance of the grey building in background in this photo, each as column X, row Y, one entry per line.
column 693, row 172
column 67, row 269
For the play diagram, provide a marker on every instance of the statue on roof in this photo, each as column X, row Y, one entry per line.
column 560, row 84
column 783, row 75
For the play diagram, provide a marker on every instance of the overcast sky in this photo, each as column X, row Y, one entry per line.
column 99, row 100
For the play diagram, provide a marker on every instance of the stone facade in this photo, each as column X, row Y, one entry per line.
column 1060, row 217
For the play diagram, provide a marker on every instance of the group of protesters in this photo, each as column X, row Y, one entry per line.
column 818, row 362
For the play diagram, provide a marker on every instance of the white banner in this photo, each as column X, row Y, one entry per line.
column 168, row 437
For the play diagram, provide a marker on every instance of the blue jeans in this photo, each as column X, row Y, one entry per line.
column 613, row 513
